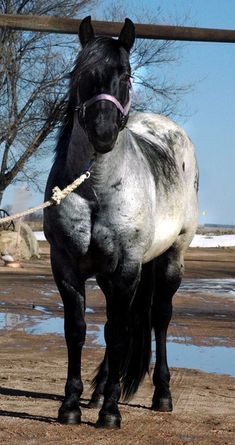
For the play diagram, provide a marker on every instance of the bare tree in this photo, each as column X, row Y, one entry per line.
column 33, row 69
column 151, row 60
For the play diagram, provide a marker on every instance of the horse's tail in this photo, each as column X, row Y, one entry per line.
column 138, row 349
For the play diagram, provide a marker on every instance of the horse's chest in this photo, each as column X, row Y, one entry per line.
column 115, row 229
column 71, row 225
column 98, row 237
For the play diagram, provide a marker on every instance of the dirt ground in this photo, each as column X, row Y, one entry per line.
column 33, row 367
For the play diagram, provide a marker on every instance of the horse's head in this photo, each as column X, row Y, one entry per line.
column 104, row 84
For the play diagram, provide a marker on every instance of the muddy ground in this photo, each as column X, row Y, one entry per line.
column 33, row 366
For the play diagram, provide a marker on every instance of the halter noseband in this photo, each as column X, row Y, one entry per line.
column 103, row 96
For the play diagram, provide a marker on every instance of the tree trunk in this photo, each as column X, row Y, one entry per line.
column 1, row 196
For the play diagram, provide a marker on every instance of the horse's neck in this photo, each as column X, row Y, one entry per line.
column 79, row 151
column 107, row 167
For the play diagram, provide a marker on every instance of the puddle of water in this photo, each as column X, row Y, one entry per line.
column 181, row 352
column 91, row 284
column 212, row 359
column 172, row 338
column 89, row 310
column 96, row 335
column 49, row 293
column 52, row 325
column 6, row 291
column 216, row 359
column 214, row 286
column 41, row 309
column 39, row 324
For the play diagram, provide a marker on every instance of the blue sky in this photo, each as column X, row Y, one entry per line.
column 211, row 68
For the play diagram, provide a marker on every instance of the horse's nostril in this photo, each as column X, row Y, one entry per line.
column 105, row 136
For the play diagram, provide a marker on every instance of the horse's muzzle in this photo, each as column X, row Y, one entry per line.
column 103, row 139
column 102, row 147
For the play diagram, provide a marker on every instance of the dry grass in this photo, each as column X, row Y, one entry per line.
column 201, row 230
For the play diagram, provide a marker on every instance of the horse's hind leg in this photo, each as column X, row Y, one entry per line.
column 98, row 383
column 168, row 274
column 73, row 295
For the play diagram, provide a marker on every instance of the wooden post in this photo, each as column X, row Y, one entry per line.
column 62, row 25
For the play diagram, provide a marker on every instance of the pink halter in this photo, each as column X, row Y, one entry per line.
column 104, row 96
column 110, row 98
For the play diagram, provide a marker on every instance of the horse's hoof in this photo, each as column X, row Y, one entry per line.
column 96, row 402
column 70, row 417
column 108, row 421
column 162, row 404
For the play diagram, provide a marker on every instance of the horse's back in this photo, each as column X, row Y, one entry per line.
column 161, row 130
column 163, row 136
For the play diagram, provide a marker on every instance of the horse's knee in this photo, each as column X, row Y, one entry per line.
column 170, row 265
column 75, row 331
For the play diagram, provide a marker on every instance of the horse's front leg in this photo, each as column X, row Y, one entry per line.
column 100, row 380
column 119, row 294
column 73, row 295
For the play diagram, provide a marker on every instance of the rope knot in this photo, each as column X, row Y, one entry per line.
column 58, row 195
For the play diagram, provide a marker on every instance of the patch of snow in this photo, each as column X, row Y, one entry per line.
column 213, row 241
column 40, row 236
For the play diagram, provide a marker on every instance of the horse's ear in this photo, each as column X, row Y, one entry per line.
column 86, row 32
column 127, row 35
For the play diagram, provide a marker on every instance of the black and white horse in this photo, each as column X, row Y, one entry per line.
column 128, row 225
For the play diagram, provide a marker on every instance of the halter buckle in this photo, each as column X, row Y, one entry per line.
column 123, row 121
column 81, row 109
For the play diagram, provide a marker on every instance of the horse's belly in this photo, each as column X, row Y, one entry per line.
column 164, row 236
